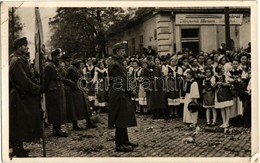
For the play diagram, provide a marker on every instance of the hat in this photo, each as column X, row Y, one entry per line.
column 193, row 107
column 220, row 58
column 191, row 59
column 20, row 42
column 120, row 45
column 134, row 60
column 56, row 52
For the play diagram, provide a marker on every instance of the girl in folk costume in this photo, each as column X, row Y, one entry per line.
column 209, row 95
column 223, row 61
column 223, row 97
column 201, row 64
column 134, row 82
column 173, row 74
column 215, row 61
column 153, row 84
column 199, row 79
column 192, row 94
column 101, row 81
column 234, row 78
column 185, row 65
column 246, row 76
column 157, row 62
column 141, row 92
column 88, row 74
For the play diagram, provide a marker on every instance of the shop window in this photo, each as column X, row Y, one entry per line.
column 190, row 39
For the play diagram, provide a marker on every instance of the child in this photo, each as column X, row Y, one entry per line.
column 173, row 74
column 223, row 97
column 191, row 94
column 209, row 95
column 141, row 92
column 234, row 78
column 101, row 81
column 134, row 81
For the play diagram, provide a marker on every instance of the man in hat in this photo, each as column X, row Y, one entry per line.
column 53, row 88
column 24, row 101
column 121, row 109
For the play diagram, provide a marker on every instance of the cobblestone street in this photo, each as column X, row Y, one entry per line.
column 156, row 138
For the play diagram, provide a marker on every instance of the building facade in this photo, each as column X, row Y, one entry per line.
column 169, row 30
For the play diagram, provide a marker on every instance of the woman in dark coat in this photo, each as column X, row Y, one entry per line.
column 53, row 88
column 153, row 83
column 24, row 101
column 121, row 112
column 77, row 106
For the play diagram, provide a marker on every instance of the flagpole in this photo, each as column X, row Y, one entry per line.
column 37, row 17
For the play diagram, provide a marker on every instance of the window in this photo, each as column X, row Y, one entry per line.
column 141, row 45
column 190, row 39
column 155, row 34
column 133, row 46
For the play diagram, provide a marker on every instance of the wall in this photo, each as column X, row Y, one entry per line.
column 233, row 35
column 208, row 38
column 244, row 32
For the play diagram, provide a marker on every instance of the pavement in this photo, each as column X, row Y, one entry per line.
column 156, row 138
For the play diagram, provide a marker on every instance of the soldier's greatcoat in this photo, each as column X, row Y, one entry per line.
column 76, row 103
column 55, row 94
column 24, row 101
column 120, row 108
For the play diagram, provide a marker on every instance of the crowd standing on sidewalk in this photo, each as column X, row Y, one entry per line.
column 184, row 84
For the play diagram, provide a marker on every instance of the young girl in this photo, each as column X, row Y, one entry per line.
column 192, row 94
column 134, row 81
column 173, row 74
column 101, row 81
column 234, row 78
column 223, row 97
column 209, row 95
column 141, row 92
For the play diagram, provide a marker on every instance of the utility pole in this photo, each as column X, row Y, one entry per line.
column 227, row 29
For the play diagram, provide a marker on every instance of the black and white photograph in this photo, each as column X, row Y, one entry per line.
column 101, row 81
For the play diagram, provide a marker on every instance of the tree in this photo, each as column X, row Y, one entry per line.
column 15, row 28
column 81, row 30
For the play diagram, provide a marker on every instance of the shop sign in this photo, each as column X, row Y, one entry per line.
column 207, row 19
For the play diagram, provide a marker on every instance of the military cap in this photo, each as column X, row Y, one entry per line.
column 20, row 42
column 120, row 45
column 56, row 52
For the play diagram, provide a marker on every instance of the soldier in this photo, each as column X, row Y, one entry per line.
column 121, row 112
column 24, row 110
column 53, row 88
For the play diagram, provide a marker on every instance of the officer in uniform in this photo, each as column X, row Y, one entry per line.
column 121, row 109
column 54, row 90
column 24, row 101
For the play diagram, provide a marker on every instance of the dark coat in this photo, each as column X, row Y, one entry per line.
column 24, row 101
column 76, row 103
column 121, row 109
column 154, row 87
column 53, row 88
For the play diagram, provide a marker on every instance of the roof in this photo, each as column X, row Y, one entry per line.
column 145, row 13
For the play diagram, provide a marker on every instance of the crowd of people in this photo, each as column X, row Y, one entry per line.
column 184, row 84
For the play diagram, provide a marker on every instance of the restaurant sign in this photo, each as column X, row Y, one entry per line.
column 207, row 19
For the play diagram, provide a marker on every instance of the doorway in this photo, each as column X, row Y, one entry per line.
column 190, row 39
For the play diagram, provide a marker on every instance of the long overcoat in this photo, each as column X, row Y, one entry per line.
column 120, row 107
column 24, row 101
column 76, row 103
column 53, row 88
column 154, row 85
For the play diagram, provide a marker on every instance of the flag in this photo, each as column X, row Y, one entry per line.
column 38, row 41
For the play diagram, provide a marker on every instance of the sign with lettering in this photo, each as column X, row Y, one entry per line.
column 207, row 19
